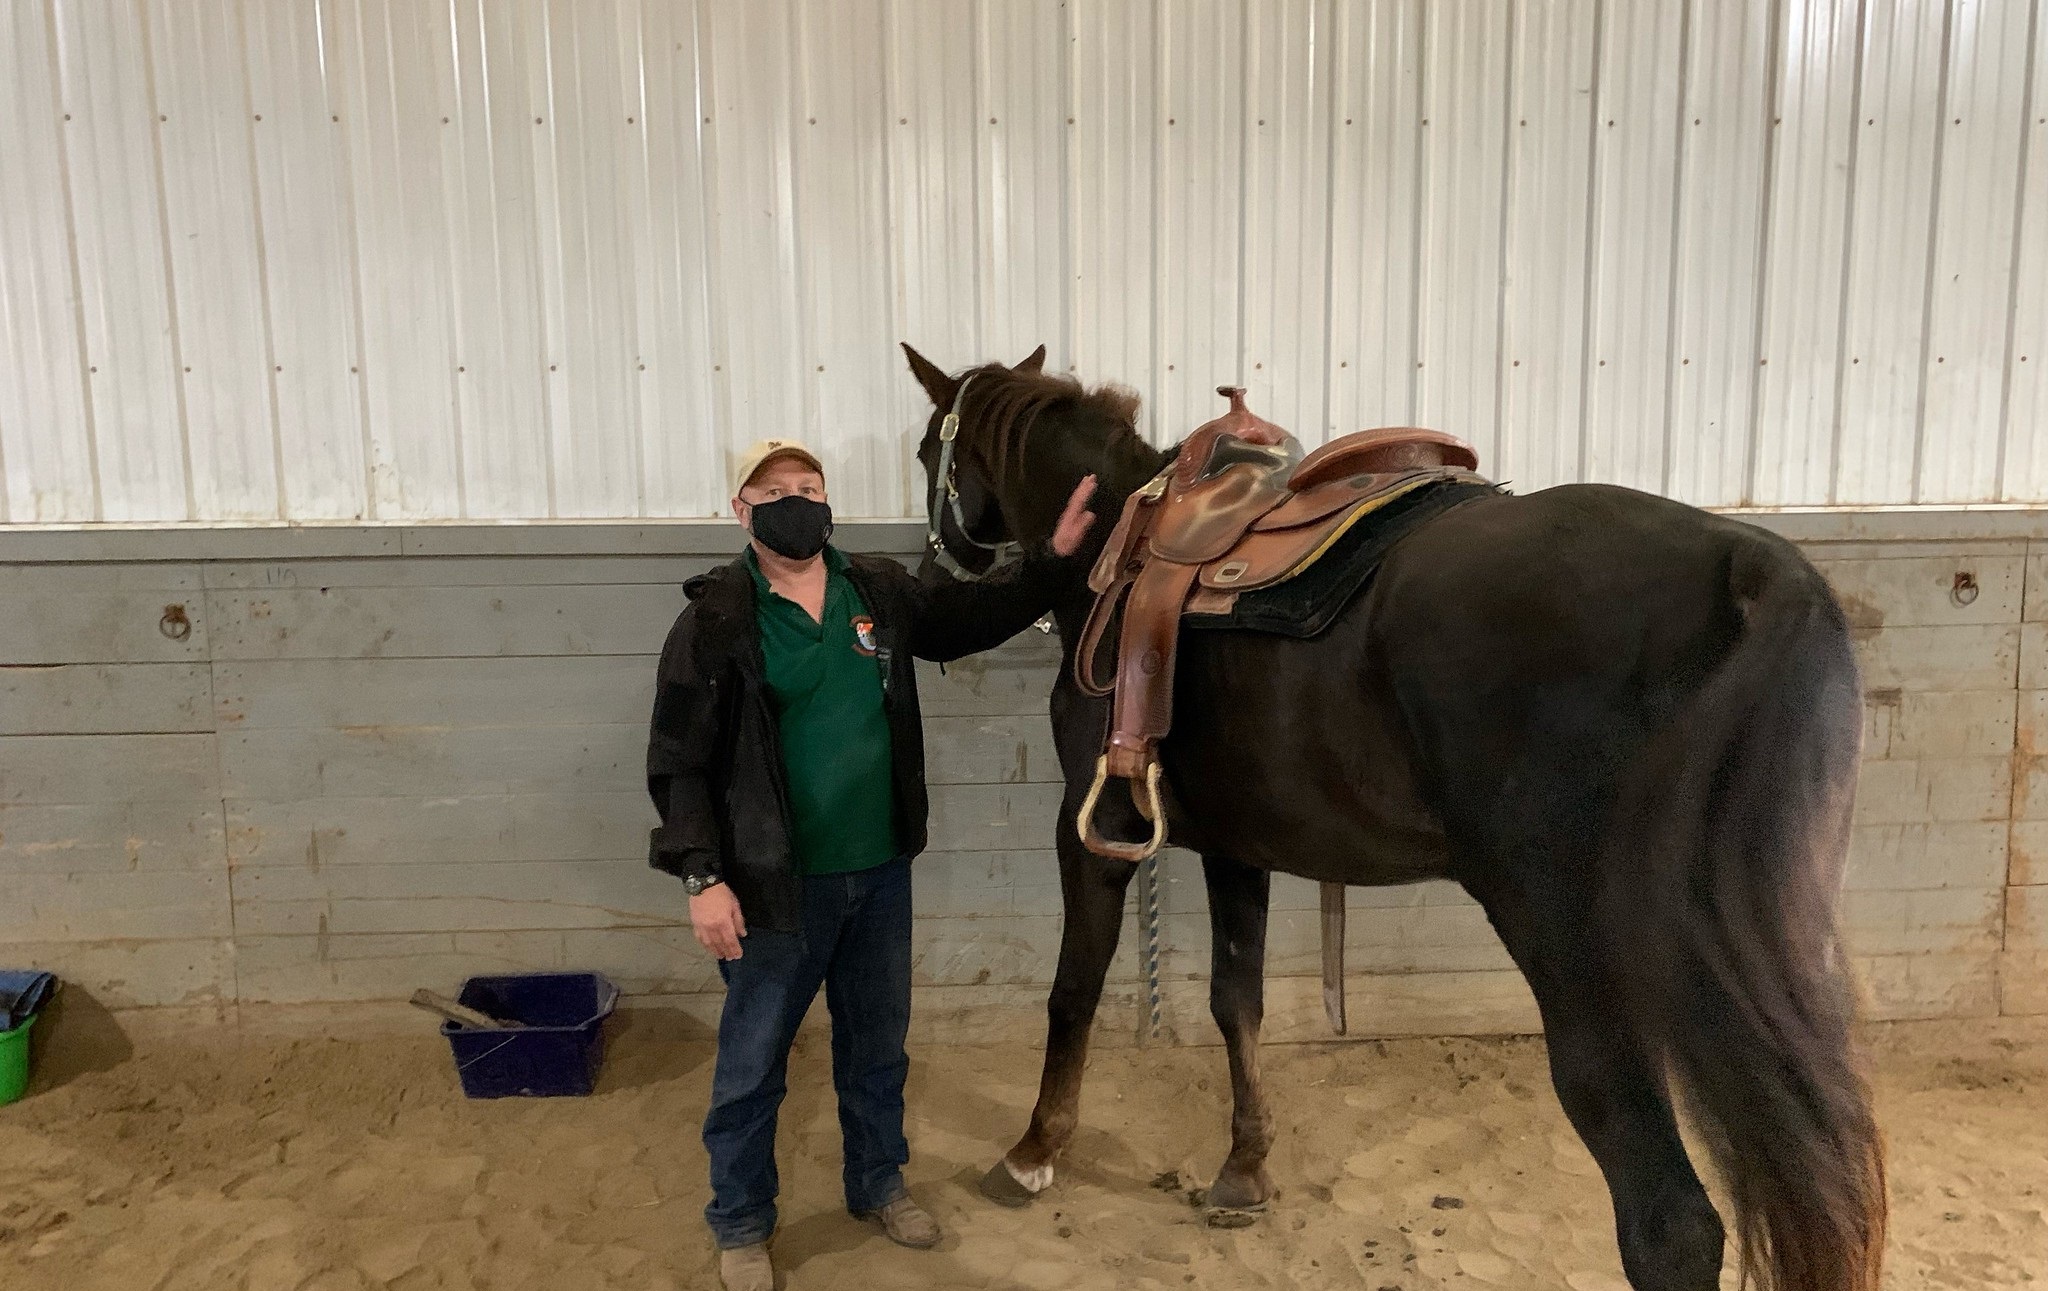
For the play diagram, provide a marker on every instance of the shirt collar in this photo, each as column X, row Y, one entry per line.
column 835, row 564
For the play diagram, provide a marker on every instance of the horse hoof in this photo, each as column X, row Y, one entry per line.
column 1238, row 1194
column 1002, row 1188
column 1233, row 1216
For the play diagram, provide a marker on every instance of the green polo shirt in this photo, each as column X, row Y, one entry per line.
column 826, row 684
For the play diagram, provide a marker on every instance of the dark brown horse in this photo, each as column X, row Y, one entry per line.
column 1628, row 728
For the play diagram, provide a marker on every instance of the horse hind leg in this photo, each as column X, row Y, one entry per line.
column 1238, row 896
column 1616, row 1096
column 1092, row 891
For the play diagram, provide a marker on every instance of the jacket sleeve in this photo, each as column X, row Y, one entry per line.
column 682, row 748
column 951, row 619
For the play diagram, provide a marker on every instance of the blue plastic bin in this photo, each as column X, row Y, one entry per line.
column 556, row 1054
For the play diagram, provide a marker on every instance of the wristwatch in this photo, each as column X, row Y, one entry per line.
column 698, row 884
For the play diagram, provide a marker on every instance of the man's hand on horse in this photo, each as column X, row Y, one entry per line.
column 1075, row 520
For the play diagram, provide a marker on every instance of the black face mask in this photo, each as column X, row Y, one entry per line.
column 795, row 527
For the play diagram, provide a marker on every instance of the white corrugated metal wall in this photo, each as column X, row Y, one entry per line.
column 386, row 259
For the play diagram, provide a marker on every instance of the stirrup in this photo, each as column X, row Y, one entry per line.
column 1148, row 806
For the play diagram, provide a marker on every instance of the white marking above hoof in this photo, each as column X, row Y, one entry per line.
column 1031, row 1181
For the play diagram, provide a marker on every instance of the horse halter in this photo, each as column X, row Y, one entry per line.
column 1001, row 553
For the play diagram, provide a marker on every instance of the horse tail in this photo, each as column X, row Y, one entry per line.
column 1738, row 818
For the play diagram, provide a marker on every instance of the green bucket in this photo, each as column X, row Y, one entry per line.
column 14, row 1062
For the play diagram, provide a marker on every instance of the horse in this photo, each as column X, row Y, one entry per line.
column 1628, row 728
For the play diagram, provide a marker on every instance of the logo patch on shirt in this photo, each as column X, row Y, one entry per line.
column 864, row 635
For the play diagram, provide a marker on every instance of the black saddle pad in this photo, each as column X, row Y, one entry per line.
column 1307, row 604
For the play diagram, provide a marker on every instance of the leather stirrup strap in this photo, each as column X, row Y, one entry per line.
column 1089, row 648
column 1147, row 646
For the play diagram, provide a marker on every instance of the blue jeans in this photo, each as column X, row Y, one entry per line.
column 855, row 941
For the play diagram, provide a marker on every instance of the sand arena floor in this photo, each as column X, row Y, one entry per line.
column 226, row 1160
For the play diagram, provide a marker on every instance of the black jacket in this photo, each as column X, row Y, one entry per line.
column 714, row 761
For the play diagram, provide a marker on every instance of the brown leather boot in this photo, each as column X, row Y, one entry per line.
column 746, row 1268
column 907, row 1224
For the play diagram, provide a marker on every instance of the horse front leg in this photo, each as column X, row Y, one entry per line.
column 1092, row 890
column 1238, row 896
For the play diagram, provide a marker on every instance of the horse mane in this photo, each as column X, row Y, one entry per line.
column 1007, row 404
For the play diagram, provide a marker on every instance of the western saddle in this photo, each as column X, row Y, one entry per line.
column 1239, row 508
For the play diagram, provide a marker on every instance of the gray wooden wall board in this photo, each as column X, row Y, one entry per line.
column 976, row 885
column 99, row 627
column 473, row 829
column 439, row 896
column 989, row 750
column 2034, row 657
column 1926, row 790
column 993, row 817
column 1416, row 939
column 105, row 699
column 2028, row 864
column 1821, row 553
column 61, row 769
column 118, row 905
column 2027, row 913
column 122, row 835
column 1923, row 921
column 509, row 691
column 82, row 579
column 319, row 967
column 1922, row 592
column 1934, row 659
column 1896, row 858
column 1008, row 681
column 125, row 974
column 2036, row 609
column 1002, row 950
column 285, row 764
column 457, row 571
column 1898, row 988
column 1947, row 724
column 442, row 622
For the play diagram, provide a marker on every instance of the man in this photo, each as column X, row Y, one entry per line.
column 787, row 762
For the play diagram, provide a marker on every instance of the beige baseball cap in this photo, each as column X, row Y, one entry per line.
column 766, row 451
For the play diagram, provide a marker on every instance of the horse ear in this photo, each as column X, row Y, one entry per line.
column 1033, row 362
column 936, row 383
